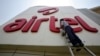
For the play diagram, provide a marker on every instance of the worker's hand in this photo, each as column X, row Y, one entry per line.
column 63, row 32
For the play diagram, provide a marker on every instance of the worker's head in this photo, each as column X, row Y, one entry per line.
column 61, row 24
column 61, row 20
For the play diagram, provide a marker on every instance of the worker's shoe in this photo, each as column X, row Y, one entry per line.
column 78, row 45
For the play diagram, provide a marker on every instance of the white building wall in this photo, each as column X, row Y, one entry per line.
column 44, row 37
column 45, row 42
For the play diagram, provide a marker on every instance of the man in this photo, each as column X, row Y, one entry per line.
column 74, row 39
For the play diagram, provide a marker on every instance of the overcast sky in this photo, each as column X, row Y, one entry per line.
column 11, row 8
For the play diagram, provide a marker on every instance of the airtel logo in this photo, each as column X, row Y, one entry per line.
column 48, row 11
column 24, row 25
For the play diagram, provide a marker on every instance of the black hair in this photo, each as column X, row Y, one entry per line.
column 61, row 19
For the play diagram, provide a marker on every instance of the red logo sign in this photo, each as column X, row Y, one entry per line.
column 24, row 25
column 47, row 11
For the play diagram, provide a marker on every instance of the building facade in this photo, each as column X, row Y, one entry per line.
column 91, row 14
column 36, row 32
column 96, row 9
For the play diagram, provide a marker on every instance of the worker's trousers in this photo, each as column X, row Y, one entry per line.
column 74, row 39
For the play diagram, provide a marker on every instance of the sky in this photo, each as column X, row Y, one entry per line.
column 11, row 8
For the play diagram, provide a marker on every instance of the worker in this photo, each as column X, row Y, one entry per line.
column 67, row 29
